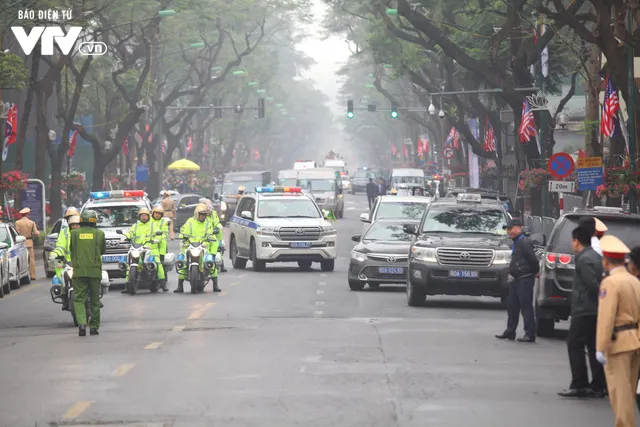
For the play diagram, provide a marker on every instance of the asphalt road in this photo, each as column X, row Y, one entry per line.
column 280, row 348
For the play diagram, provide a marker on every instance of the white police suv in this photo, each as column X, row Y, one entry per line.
column 280, row 224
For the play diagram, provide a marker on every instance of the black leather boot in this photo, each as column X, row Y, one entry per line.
column 163, row 285
column 215, row 285
column 180, row 288
column 82, row 331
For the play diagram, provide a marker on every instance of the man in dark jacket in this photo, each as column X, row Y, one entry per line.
column 584, row 311
column 523, row 268
column 372, row 192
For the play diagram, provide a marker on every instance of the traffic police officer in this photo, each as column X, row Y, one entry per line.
column 241, row 190
column 87, row 247
column 161, row 224
column 215, row 225
column 617, row 342
column 600, row 228
column 62, row 244
column 169, row 208
column 143, row 232
column 28, row 229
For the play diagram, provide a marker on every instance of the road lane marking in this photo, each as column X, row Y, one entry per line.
column 320, row 292
column 303, row 369
column 198, row 314
column 210, row 304
column 351, row 208
column 122, row 370
column 323, row 275
column 234, row 284
column 318, row 313
column 322, row 284
column 222, row 294
column 154, row 345
column 76, row 410
column 178, row 328
column 15, row 293
column 319, row 302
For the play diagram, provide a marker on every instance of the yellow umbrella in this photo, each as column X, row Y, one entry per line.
column 183, row 165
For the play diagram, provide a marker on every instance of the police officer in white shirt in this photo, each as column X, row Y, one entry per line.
column 589, row 223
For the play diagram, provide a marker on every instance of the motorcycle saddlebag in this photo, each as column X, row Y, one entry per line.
column 169, row 260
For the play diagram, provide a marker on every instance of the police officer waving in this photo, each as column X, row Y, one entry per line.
column 87, row 246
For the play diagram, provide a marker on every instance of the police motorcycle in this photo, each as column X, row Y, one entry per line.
column 198, row 262
column 142, row 265
column 62, row 290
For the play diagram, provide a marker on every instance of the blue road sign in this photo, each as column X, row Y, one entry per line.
column 589, row 178
column 142, row 173
column 560, row 165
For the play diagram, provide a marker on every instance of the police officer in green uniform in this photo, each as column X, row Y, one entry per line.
column 87, row 247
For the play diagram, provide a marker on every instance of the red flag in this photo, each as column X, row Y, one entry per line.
column 189, row 145
column 489, row 136
column 72, row 144
column 406, row 152
column 393, row 149
column 425, row 141
column 125, row 146
column 10, row 130
column 149, row 137
column 420, row 149
column 581, row 154
column 257, row 155
column 205, row 149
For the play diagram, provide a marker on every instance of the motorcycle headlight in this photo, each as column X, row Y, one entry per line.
column 502, row 258
column 223, row 206
column 329, row 230
column 267, row 231
column 135, row 254
column 424, row 254
column 195, row 252
column 358, row 256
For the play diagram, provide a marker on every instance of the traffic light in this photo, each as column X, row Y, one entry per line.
column 217, row 113
column 260, row 108
column 394, row 111
column 350, row 109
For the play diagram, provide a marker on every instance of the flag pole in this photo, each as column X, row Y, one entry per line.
column 631, row 113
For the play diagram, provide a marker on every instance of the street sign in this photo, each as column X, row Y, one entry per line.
column 447, row 152
column 560, row 165
column 142, row 173
column 33, row 197
column 589, row 173
column 562, row 186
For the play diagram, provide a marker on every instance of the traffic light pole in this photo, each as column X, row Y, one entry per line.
column 219, row 108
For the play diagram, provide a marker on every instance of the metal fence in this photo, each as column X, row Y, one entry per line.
column 571, row 201
column 539, row 225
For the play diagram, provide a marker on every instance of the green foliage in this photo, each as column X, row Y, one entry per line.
column 13, row 73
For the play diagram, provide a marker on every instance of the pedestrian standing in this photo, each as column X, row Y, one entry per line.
column 169, row 208
column 600, row 229
column 523, row 268
column 372, row 192
column 584, row 311
column 29, row 230
column 617, row 342
column 589, row 223
column 87, row 247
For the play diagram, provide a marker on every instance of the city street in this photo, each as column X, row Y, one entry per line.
column 280, row 348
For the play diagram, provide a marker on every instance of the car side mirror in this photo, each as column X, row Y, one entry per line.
column 119, row 232
column 538, row 239
column 53, row 236
column 410, row 229
column 3, row 245
column 356, row 238
column 21, row 239
column 364, row 217
column 246, row 215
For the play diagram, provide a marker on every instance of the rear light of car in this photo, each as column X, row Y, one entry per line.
column 564, row 259
column 553, row 259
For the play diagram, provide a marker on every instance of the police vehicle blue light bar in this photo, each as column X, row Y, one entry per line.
column 278, row 190
column 97, row 195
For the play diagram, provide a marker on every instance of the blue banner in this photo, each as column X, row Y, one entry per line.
column 33, row 197
column 142, row 173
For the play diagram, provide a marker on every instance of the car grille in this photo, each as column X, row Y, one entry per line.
column 299, row 233
column 115, row 246
column 390, row 258
column 373, row 273
column 467, row 256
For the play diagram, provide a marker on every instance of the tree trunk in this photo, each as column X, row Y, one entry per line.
column 26, row 111
column 42, row 133
column 56, row 184
column 592, row 134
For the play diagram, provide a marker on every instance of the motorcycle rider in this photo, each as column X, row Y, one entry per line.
column 62, row 250
column 215, row 224
column 197, row 229
column 161, row 224
column 143, row 231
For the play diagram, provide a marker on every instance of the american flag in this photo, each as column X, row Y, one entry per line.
column 10, row 130
column 527, row 123
column 489, row 136
column 453, row 138
column 609, row 110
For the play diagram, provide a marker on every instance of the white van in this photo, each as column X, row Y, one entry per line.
column 325, row 186
column 304, row 164
column 288, row 178
column 408, row 177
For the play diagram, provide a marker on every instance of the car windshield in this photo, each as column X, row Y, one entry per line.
column 625, row 229
column 231, row 187
column 301, row 207
column 288, row 182
column 318, row 184
column 465, row 219
column 388, row 232
column 410, row 210
column 116, row 216
column 4, row 236
column 364, row 174
column 408, row 180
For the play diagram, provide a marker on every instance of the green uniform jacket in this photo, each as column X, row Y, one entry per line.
column 142, row 233
column 87, row 246
column 215, row 223
column 62, row 244
column 195, row 230
column 162, row 225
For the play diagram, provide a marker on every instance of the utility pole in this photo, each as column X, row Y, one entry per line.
column 631, row 113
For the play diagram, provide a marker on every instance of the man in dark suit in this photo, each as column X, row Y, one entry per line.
column 372, row 192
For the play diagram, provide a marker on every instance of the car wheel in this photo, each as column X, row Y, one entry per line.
column 237, row 262
column 16, row 284
column 415, row 297
column 356, row 285
column 327, row 264
column 26, row 279
column 48, row 272
column 256, row 264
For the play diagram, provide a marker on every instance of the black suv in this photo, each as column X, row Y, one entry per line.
column 460, row 248
column 553, row 286
column 485, row 193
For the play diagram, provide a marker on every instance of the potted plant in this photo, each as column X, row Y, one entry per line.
column 617, row 182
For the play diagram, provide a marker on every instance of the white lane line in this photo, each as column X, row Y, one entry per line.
column 323, row 275
column 303, row 369
column 318, row 313
column 322, row 284
column 320, row 292
column 351, row 208
column 319, row 302
column 178, row 328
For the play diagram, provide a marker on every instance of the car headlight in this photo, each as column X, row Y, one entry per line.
column 267, row 231
column 223, row 206
column 424, row 254
column 329, row 230
column 358, row 256
column 502, row 258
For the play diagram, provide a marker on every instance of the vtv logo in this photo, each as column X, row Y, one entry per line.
column 47, row 35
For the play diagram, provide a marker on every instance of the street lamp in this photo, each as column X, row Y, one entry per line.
column 432, row 108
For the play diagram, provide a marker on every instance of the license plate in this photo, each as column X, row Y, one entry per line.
column 300, row 244
column 391, row 270
column 110, row 258
column 463, row 274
